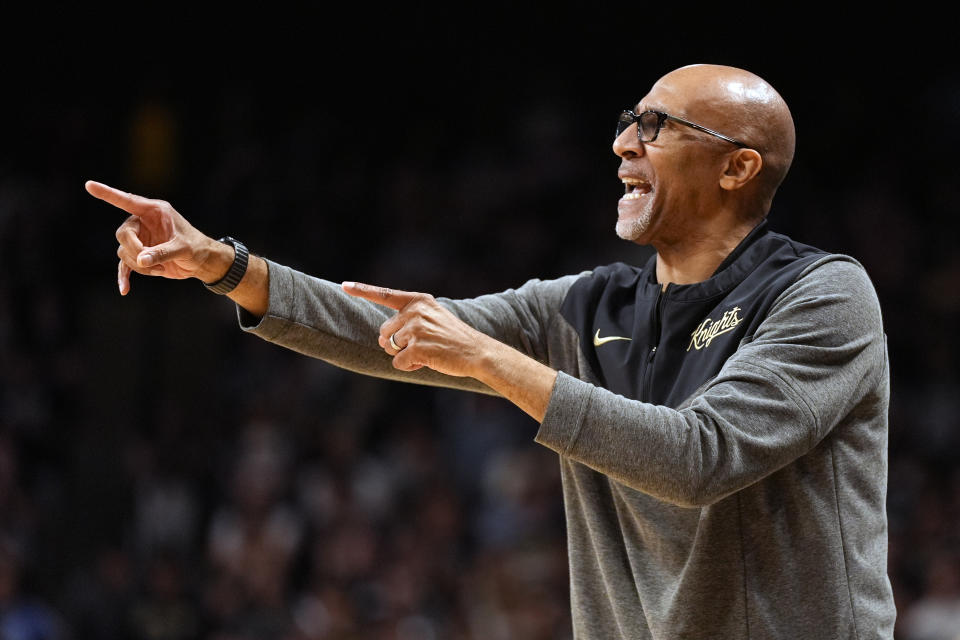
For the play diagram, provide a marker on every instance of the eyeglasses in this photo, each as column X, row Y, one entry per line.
column 649, row 124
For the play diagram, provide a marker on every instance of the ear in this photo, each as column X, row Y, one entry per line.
column 742, row 165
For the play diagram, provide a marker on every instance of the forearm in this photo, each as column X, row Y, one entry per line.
column 519, row 378
column 317, row 318
column 742, row 427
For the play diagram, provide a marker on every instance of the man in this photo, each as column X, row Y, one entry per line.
column 720, row 414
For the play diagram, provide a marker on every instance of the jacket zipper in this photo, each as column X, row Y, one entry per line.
column 648, row 373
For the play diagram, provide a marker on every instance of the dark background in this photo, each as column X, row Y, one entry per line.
column 163, row 475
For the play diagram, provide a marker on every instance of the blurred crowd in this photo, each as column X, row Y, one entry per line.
column 164, row 476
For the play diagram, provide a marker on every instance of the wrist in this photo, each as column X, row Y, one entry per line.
column 236, row 271
column 489, row 358
column 216, row 262
column 524, row 381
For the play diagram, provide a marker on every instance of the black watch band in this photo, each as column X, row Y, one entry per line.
column 229, row 282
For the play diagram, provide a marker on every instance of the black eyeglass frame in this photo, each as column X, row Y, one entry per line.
column 628, row 117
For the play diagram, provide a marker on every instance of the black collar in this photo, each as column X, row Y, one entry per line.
column 740, row 248
column 723, row 277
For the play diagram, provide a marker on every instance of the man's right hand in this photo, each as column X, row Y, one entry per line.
column 157, row 241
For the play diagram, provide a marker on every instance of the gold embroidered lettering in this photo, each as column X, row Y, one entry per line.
column 703, row 335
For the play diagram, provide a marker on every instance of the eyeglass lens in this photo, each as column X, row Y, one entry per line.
column 648, row 123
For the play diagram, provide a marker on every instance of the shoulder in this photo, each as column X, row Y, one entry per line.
column 837, row 275
column 617, row 274
column 554, row 288
column 540, row 295
column 834, row 292
column 812, row 271
column 617, row 281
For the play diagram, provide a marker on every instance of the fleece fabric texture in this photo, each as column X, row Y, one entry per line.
column 753, row 508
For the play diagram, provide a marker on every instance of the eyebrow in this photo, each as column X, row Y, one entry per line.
column 638, row 110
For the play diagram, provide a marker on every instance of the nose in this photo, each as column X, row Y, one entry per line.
column 627, row 144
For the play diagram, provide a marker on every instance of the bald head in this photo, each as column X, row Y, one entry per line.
column 739, row 104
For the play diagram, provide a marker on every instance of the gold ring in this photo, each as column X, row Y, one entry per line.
column 393, row 344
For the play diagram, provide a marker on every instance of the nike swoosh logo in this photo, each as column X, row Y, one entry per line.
column 597, row 340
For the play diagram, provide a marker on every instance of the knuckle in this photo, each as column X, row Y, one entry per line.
column 422, row 301
column 125, row 230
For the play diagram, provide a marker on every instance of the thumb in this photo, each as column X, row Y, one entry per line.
column 164, row 252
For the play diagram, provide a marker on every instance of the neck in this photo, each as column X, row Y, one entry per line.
column 696, row 257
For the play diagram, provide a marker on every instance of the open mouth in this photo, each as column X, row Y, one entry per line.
column 635, row 188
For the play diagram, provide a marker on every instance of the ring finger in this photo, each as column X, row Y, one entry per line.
column 397, row 347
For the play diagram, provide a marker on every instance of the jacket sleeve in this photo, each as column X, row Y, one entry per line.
column 818, row 355
column 317, row 318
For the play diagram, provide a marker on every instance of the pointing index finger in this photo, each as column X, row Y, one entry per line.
column 393, row 298
column 132, row 204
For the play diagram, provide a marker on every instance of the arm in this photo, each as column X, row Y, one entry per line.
column 819, row 355
column 318, row 318
column 321, row 319
column 157, row 241
column 430, row 335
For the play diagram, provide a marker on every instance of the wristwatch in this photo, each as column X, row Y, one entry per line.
column 234, row 275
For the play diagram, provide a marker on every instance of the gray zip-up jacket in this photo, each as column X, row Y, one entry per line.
column 754, row 508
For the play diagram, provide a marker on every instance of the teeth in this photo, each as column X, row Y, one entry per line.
column 636, row 188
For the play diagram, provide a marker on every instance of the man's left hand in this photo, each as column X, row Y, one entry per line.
column 425, row 333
